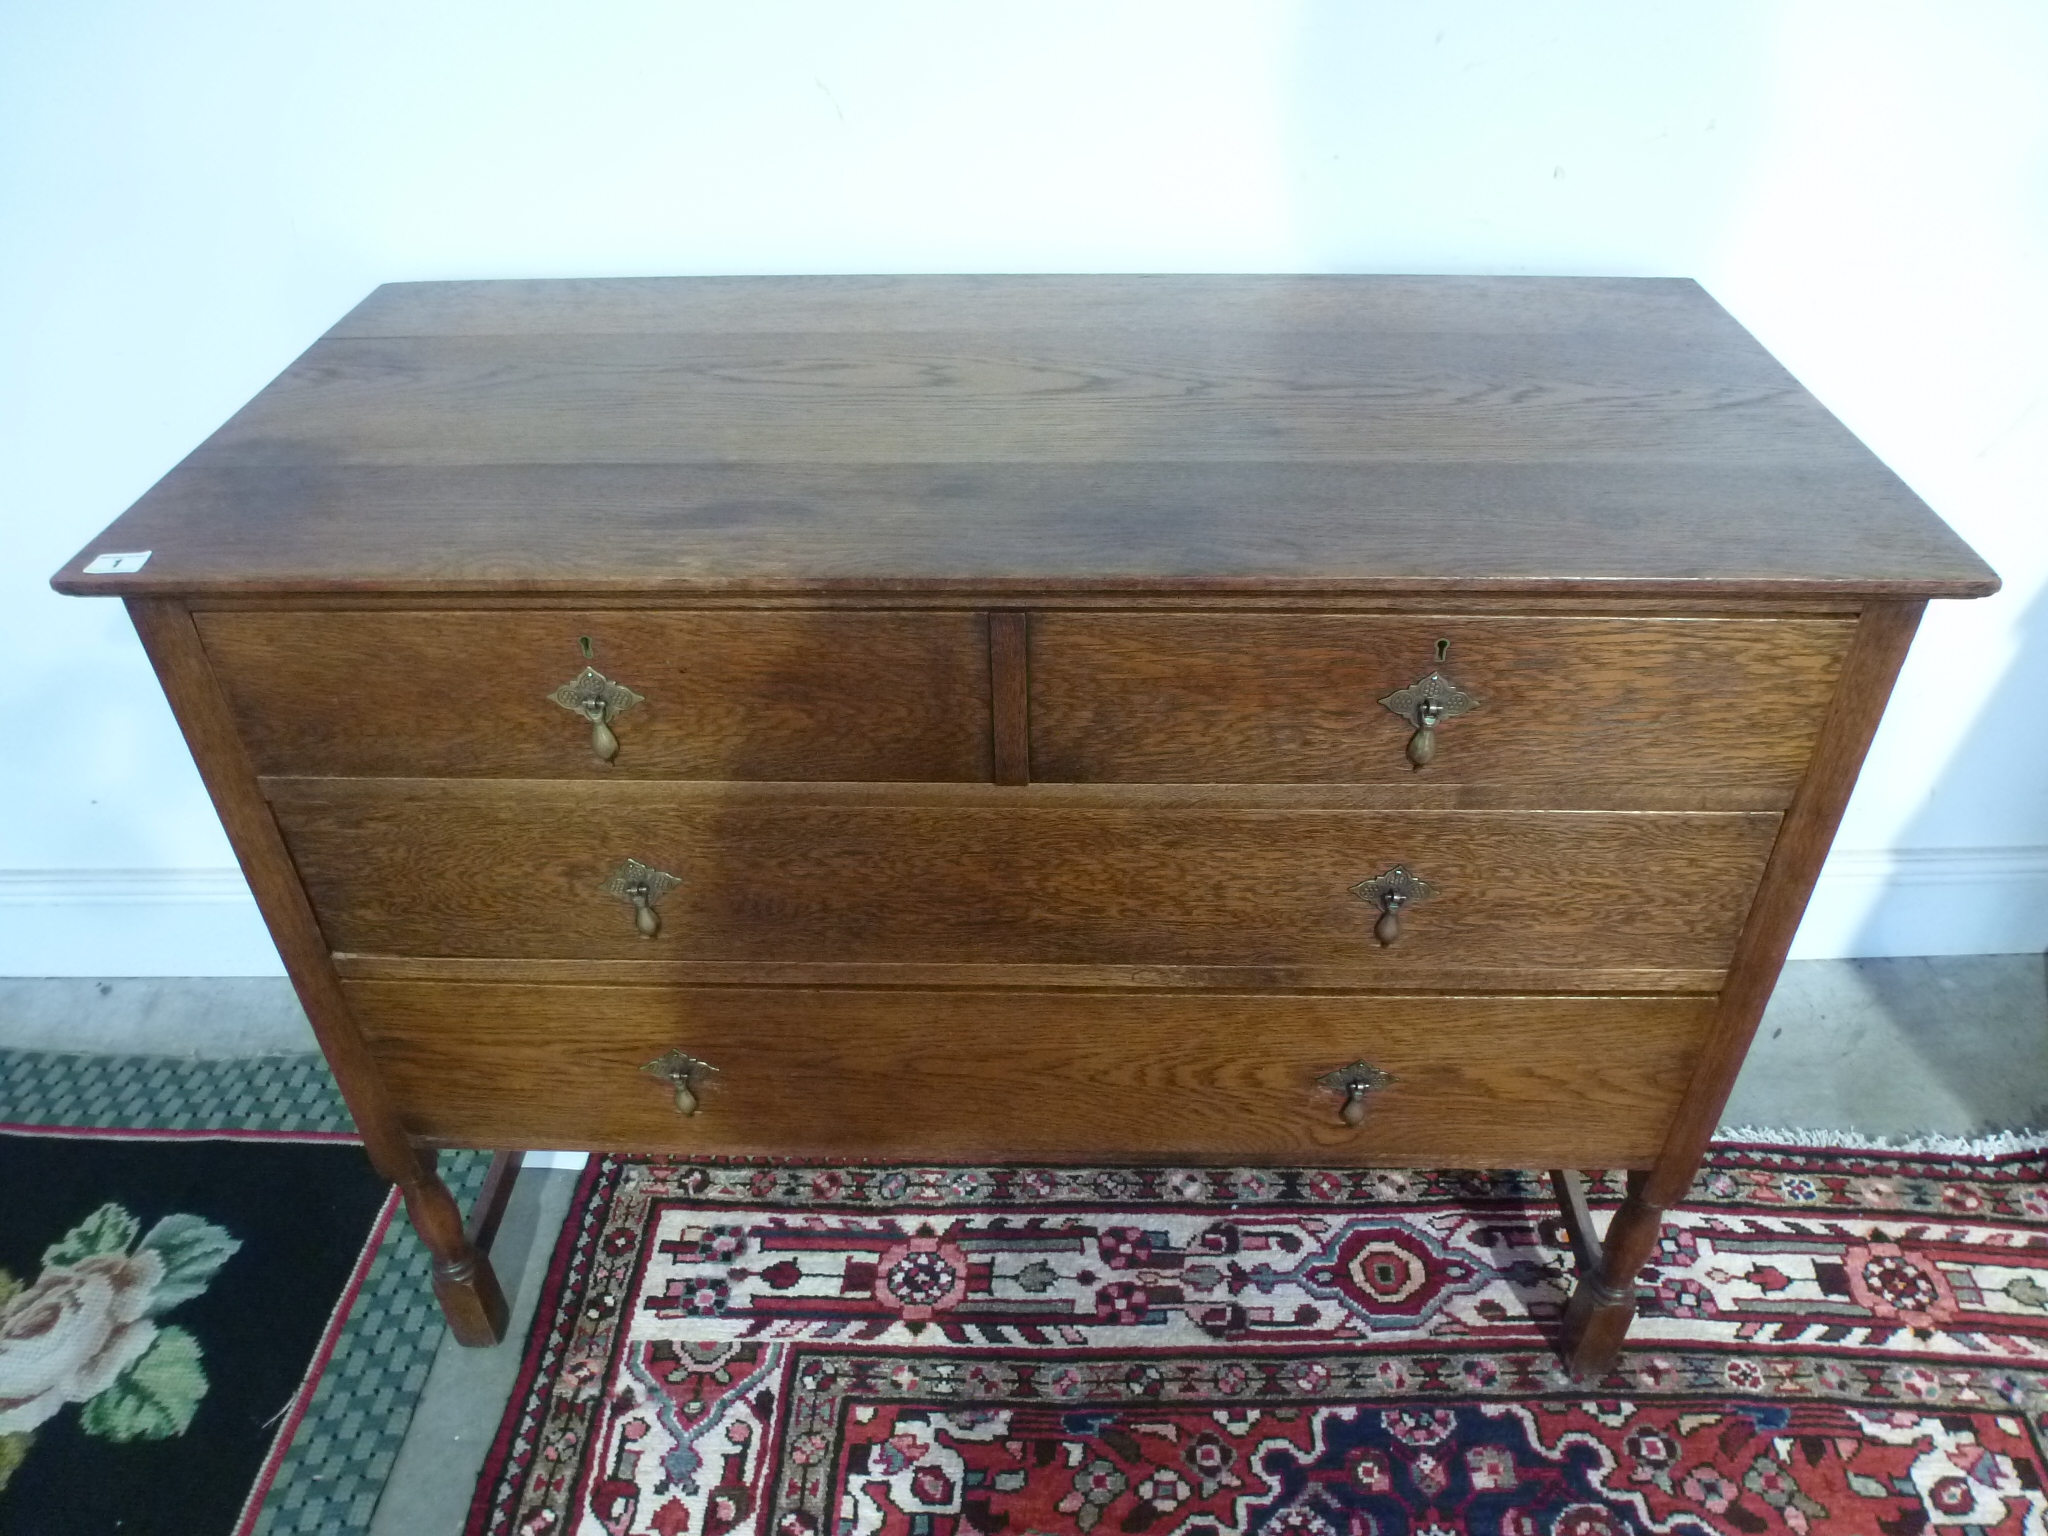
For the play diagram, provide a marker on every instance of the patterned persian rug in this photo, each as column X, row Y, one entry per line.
column 1833, row 1341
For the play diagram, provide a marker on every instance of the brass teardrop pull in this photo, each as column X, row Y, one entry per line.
column 1388, row 929
column 1422, row 745
column 643, row 886
column 602, row 739
column 1354, row 1082
column 1353, row 1112
column 600, row 701
column 681, row 1073
column 1423, row 704
column 1390, row 892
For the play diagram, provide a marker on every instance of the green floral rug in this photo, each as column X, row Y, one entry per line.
column 344, row 1446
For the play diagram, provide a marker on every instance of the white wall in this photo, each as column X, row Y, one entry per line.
column 191, row 192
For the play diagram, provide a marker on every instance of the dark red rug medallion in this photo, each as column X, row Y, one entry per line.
column 1851, row 1341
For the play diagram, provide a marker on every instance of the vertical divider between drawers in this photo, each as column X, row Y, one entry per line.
column 1009, row 679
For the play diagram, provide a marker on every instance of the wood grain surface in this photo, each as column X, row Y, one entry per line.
column 1369, row 975
column 777, row 695
column 1629, row 704
column 1882, row 640
column 172, row 644
column 1478, row 1082
column 1420, row 793
column 1174, row 394
column 515, row 871
column 1700, row 602
column 1055, row 434
column 1010, row 696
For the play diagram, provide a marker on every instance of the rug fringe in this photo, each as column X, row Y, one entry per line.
column 1998, row 1144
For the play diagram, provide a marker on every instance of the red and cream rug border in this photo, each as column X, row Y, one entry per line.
column 1777, row 1183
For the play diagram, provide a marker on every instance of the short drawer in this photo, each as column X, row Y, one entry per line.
column 1635, row 704
column 784, row 694
column 519, row 872
column 1471, row 1081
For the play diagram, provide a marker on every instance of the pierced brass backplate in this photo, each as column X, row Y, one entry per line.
column 643, row 886
column 681, row 1073
column 1397, row 888
column 600, row 701
column 1400, row 882
column 1422, row 704
column 1354, row 1082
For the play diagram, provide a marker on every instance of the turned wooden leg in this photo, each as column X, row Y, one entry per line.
column 464, row 1282
column 1603, row 1303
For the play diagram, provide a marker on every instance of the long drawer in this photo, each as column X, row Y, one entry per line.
column 520, row 872
column 807, row 695
column 1467, row 1081
column 1632, row 704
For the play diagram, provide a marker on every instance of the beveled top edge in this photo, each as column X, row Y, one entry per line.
column 73, row 583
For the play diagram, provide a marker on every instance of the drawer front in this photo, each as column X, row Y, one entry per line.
column 1480, row 1082
column 1637, row 704
column 519, row 873
column 805, row 695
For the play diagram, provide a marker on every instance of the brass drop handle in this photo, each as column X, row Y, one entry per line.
column 681, row 1073
column 643, row 886
column 1388, row 929
column 1423, row 704
column 1422, row 745
column 1354, row 1082
column 1399, row 887
column 1353, row 1112
column 648, row 921
column 600, row 701
column 602, row 739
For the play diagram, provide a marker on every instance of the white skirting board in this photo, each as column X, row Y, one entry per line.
column 201, row 922
column 1927, row 901
column 131, row 922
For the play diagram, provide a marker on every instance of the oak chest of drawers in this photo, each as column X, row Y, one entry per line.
column 1229, row 719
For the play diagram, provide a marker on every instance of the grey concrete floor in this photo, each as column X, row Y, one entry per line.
column 1954, row 1045
column 1887, row 1048
column 154, row 1016
column 431, row 1483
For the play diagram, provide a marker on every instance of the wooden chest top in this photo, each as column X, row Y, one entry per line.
column 1037, row 435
